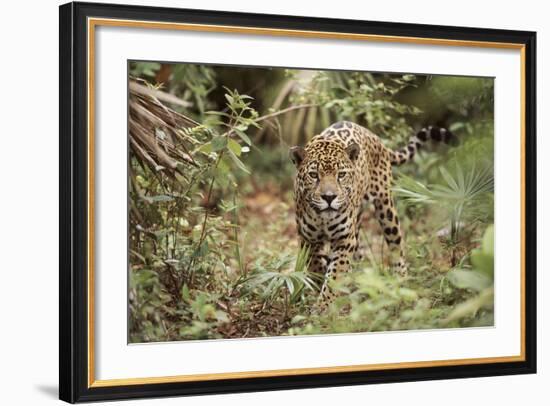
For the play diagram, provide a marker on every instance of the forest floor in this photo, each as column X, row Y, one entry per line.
column 267, row 230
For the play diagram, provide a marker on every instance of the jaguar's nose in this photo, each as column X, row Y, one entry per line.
column 328, row 197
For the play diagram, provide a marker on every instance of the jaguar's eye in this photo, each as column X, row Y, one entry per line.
column 342, row 175
column 313, row 175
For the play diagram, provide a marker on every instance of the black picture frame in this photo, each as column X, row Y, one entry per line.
column 73, row 284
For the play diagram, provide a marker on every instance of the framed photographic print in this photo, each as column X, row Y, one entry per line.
column 256, row 202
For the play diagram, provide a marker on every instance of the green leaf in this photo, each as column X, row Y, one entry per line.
column 156, row 199
column 202, row 250
column 470, row 307
column 222, row 316
column 219, row 143
column 223, row 168
column 469, row 279
column 448, row 178
column 298, row 318
column 488, row 243
column 483, row 259
column 185, row 295
column 243, row 136
column 408, row 294
column 237, row 161
column 206, row 148
column 234, row 146
column 483, row 263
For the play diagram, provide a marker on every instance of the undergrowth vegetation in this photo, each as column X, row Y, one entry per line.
column 213, row 250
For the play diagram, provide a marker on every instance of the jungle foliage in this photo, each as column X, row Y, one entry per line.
column 213, row 250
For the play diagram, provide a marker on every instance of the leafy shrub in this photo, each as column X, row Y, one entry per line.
column 479, row 280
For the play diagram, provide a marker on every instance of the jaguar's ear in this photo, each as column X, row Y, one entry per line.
column 353, row 151
column 297, row 155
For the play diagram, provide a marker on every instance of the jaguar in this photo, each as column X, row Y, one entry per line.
column 339, row 172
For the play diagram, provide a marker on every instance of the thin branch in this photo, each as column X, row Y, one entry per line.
column 287, row 110
column 159, row 94
column 203, row 230
column 275, row 114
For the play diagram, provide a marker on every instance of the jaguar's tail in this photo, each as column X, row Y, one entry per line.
column 406, row 153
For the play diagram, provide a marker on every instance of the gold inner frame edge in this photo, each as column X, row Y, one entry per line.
column 92, row 23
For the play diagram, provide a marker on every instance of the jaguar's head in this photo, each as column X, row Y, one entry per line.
column 326, row 174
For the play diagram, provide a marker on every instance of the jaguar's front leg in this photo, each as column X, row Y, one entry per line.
column 318, row 259
column 342, row 251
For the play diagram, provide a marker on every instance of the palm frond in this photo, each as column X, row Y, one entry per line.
column 270, row 280
column 464, row 193
column 157, row 133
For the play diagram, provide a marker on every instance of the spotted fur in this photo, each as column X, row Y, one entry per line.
column 337, row 172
